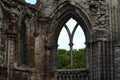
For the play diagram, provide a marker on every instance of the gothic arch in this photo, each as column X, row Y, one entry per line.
column 62, row 15
column 28, row 41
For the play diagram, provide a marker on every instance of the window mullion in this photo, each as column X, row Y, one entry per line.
column 74, row 30
column 71, row 46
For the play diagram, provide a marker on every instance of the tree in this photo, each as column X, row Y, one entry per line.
column 79, row 59
column 63, row 59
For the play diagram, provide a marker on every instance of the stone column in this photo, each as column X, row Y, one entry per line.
column 100, row 57
column 11, row 34
column 11, row 49
column 99, row 62
column 38, row 56
column 41, row 54
column 51, row 55
column 117, row 61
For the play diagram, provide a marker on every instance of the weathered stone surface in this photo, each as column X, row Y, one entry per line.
column 29, row 34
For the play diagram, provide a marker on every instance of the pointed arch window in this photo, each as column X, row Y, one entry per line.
column 71, row 38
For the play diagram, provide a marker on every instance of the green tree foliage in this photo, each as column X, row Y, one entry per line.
column 79, row 59
column 63, row 59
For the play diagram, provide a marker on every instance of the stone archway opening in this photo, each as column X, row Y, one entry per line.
column 71, row 46
column 71, row 57
column 58, row 24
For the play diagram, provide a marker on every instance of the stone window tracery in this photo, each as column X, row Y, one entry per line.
column 71, row 33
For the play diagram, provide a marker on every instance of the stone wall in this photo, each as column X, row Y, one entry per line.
column 29, row 34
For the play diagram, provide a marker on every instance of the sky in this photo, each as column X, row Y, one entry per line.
column 63, row 41
column 31, row 1
column 78, row 40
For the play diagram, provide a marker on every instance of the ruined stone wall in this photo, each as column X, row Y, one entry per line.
column 28, row 36
column 17, row 41
column 104, row 31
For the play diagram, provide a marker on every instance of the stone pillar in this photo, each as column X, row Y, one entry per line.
column 99, row 62
column 10, row 55
column 11, row 34
column 99, row 56
column 51, row 55
column 117, row 61
column 38, row 57
column 41, row 54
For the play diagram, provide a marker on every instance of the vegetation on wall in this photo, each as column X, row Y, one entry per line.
column 79, row 58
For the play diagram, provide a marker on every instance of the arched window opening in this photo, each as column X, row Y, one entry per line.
column 31, row 1
column 23, row 44
column 71, row 50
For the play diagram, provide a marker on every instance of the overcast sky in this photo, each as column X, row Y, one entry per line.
column 79, row 38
